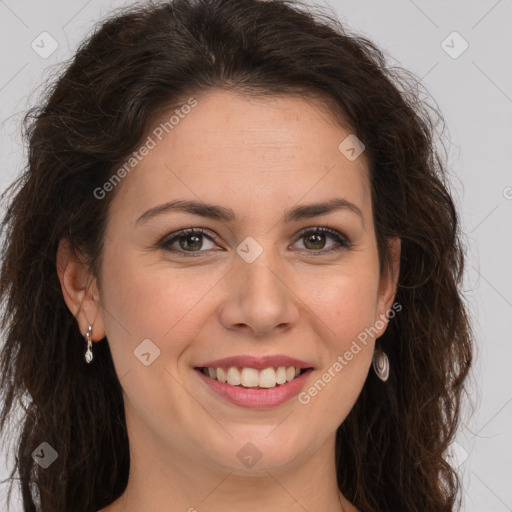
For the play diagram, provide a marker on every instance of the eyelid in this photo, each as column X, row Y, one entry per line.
column 342, row 241
column 188, row 231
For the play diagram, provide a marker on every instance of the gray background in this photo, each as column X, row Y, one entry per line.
column 474, row 92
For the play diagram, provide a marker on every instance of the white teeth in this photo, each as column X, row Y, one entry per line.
column 221, row 375
column 281, row 375
column 252, row 378
column 267, row 378
column 233, row 376
column 249, row 377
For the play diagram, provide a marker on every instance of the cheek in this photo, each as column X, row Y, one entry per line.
column 346, row 312
column 345, row 302
column 153, row 302
column 345, row 308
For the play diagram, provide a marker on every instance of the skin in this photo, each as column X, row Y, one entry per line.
column 258, row 157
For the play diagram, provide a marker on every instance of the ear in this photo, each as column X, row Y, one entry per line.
column 388, row 284
column 80, row 290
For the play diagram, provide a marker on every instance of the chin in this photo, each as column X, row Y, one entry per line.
column 254, row 450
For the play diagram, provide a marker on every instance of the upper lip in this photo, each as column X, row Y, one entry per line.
column 256, row 362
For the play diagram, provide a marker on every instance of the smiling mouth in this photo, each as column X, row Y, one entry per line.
column 252, row 378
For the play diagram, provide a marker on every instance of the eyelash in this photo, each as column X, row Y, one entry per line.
column 342, row 242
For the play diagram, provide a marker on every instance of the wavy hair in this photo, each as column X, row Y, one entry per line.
column 142, row 61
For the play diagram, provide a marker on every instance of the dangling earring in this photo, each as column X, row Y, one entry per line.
column 381, row 364
column 88, row 354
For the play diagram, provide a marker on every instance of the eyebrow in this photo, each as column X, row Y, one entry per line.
column 216, row 212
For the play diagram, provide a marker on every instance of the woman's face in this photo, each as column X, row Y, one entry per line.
column 250, row 285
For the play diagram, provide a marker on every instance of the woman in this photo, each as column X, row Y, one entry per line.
column 231, row 273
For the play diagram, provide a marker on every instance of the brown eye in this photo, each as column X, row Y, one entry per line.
column 192, row 242
column 315, row 240
column 186, row 241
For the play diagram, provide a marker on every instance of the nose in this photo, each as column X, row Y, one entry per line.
column 259, row 299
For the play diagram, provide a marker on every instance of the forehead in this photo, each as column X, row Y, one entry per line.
column 236, row 149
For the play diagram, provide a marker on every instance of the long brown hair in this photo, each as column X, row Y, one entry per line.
column 140, row 62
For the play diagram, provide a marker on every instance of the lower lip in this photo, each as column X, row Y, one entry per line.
column 257, row 398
